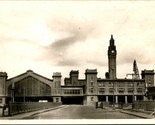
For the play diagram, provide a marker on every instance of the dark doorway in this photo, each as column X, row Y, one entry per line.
column 130, row 98
column 72, row 100
column 121, row 99
column 111, row 99
column 139, row 98
column 101, row 98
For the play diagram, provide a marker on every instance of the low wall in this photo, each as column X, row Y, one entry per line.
column 102, row 104
column 19, row 107
column 144, row 105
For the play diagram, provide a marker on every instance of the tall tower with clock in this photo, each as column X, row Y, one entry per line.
column 112, row 59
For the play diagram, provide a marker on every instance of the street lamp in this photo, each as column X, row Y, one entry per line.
column 132, row 85
column 24, row 93
column 111, row 69
column 12, row 94
column 146, row 91
column 113, row 97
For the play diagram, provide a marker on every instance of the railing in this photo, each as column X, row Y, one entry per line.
column 20, row 107
column 144, row 105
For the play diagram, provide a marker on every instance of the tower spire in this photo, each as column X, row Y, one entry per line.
column 111, row 36
column 135, row 70
column 111, row 40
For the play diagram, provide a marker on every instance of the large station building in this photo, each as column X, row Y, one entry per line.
column 32, row 87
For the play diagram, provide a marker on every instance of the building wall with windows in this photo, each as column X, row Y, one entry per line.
column 122, row 90
column 30, row 86
column 148, row 75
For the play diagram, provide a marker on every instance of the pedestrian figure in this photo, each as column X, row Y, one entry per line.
column 121, row 105
column 101, row 105
column 96, row 104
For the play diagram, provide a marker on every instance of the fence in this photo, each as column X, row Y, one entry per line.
column 144, row 105
column 19, row 107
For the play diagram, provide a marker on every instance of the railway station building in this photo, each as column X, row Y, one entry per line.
column 33, row 87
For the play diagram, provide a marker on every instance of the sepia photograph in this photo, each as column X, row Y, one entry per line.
column 77, row 62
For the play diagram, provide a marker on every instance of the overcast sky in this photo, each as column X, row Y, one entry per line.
column 53, row 36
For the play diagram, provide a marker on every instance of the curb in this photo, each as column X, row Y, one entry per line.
column 38, row 112
column 28, row 114
column 145, row 116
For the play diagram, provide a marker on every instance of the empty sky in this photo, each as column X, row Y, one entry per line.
column 59, row 36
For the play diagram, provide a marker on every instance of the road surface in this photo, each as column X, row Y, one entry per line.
column 82, row 112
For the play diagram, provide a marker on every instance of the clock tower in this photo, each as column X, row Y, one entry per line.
column 112, row 59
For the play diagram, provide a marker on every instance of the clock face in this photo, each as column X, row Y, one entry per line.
column 112, row 51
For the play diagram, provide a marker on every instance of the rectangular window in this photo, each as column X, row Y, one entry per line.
column 99, row 84
column 130, row 90
column 57, row 99
column 120, row 84
column 78, row 91
column 103, row 84
column 140, row 84
column 74, row 91
column 130, row 84
column 101, row 90
column 110, row 90
column 91, row 83
column 67, row 92
column 139, row 90
column 110, row 84
column 121, row 90
column 91, row 90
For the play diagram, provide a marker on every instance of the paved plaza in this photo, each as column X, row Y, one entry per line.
column 80, row 112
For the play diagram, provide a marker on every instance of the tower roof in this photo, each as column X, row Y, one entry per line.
column 74, row 72
column 112, row 37
column 56, row 74
column 112, row 45
column 112, row 40
column 91, row 71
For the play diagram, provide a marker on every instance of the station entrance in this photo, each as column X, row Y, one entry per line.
column 101, row 98
column 69, row 100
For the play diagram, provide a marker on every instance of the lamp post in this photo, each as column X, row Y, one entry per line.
column 146, row 91
column 24, row 94
column 13, row 94
column 113, row 97
column 111, row 69
column 132, row 85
